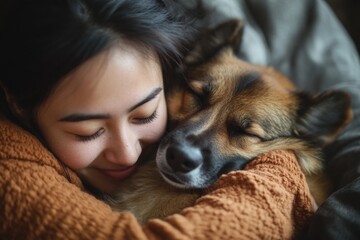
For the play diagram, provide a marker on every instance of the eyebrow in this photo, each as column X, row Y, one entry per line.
column 79, row 117
column 148, row 98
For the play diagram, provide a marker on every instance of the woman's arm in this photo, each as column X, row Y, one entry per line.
column 267, row 200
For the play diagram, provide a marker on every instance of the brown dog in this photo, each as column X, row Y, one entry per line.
column 225, row 114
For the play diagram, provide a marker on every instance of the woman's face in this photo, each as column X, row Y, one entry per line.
column 104, row 114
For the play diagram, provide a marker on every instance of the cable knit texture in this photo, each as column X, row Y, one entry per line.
column 267, row 200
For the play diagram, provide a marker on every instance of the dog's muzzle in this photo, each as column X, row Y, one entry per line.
column 180, row 164
column 186, row 163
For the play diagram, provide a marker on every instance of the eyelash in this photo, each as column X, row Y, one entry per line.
column 146, row 120
column 149, row 119
column 90, row 137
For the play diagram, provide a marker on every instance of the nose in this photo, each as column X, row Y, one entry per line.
column 123, row 148
column 182, row 158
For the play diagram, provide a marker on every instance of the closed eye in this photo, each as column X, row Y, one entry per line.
column 86, row 138
column 251, row 134
column 148, row 119
column 199, row 99
column 251, row 130
column 237, row 131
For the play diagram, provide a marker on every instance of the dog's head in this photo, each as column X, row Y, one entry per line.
column 228, row 111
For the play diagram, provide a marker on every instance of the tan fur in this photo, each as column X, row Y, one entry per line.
column 148, row 196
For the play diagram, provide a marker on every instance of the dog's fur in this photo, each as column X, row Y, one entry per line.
column 226, row 113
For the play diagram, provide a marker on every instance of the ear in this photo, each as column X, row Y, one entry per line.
column 210, row 42
column 323, row 116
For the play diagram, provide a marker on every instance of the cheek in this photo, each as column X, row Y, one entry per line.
column 77, row 155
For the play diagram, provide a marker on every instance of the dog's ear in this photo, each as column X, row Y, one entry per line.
column 210, row 42
column 323, row 116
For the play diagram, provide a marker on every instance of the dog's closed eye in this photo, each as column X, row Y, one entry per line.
column 245, row 127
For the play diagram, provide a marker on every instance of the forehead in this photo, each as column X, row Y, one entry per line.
column 117, row 76
column 115, row 63
column 226, row 76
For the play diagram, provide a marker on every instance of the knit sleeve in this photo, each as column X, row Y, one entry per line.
column 39, row 203
column 267, row 200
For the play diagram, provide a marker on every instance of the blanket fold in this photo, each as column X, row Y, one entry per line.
column 267, row 200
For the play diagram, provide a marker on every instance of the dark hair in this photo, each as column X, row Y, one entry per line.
column 43, row 40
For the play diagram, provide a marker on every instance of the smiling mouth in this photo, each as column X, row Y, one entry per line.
column 119, row 174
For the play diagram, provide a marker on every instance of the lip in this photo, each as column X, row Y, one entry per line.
column 121, row 173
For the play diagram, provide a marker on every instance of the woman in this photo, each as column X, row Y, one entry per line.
column 86, row 79
column 76, row 107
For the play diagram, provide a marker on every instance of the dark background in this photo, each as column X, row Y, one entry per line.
column 348, row 11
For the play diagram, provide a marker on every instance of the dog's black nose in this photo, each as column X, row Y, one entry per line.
column 183, row 158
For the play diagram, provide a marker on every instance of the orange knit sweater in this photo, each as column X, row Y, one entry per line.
column 268, row 200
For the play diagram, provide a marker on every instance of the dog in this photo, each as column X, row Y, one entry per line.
column 223, row 113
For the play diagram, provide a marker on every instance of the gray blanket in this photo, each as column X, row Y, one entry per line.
column 304, row 40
